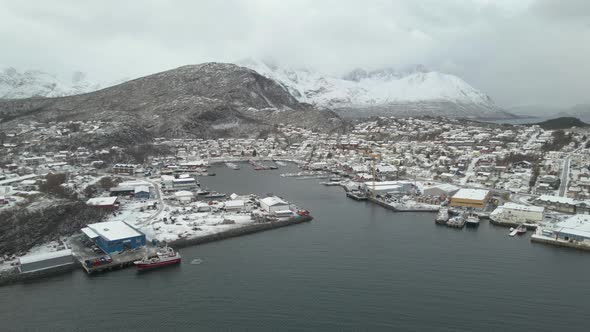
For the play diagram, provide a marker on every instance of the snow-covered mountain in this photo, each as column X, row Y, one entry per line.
column 410, row 91
column 35, row 83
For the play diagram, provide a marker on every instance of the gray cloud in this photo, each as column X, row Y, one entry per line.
column 519, row 52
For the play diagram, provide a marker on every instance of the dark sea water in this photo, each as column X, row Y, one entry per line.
column 356, row 267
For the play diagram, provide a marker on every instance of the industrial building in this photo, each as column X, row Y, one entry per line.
column 557, row 203
column 45, row 261
column 114, row 236
column 442, row 190
column 108, row 203
column 471, row 198
column 273, row 204
column 141, row 192
column 520, row 213
column 575, row 228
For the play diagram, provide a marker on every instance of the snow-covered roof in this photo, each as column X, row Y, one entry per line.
column 558, row 199
column 114, row 230
column 89, row 232
column 446, row 187
column 521, row 207
column 474, row 194
column 183, row 193
column 272, row 201
column 44, row 256
column 234, row 203
column 139, row 189
column 578, row 224
column 101, row 201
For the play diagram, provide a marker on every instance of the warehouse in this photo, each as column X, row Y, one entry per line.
column 273, row 204
column 142, row 192
column 45, row 261
column 108, row 203
column 114, row 236
column 471, row 198
column 575, row 228
column 523, row 213
column 442, row 190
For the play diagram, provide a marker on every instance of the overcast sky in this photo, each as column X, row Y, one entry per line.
column 519, row 52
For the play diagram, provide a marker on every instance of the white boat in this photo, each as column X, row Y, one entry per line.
column 232, row 166
column 513, row 231
column 521, row 229
column 472, row 220
column 443, row 216
column 280, row 163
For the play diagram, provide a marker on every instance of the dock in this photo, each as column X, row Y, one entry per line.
column 396, row 209
column 356, row 196
column 536, row 238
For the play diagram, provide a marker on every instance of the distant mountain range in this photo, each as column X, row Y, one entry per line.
column 411, row 91
column 36, row 83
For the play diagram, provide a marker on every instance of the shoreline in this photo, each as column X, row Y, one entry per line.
column 13, row 276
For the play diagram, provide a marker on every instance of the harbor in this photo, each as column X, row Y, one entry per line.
column 308, row 258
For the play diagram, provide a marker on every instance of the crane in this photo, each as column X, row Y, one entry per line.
column 374, row 157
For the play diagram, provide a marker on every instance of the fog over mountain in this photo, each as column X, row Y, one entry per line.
column 530, row 52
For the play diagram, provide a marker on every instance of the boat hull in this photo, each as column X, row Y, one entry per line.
column 149, row 266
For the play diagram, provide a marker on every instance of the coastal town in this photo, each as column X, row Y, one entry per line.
column 129, row 202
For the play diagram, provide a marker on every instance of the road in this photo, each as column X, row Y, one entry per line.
column 160, row 202
column 565, row 171
column 564, row 176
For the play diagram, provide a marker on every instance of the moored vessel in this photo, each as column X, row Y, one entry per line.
column 167, row 256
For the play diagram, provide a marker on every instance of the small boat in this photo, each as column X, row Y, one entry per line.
column 280, row 163
column 513, row 231
column 232, row 166
column 472, row 220
column 164, row 258
column 521, row 229
column 202, row 192
column 273, row 167
column 215, row 194
column 442, row 217
column 196, row 261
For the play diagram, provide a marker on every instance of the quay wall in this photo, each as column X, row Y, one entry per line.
column 389, row 207
column 14, row 276
column 563, row 244
column 250, row 229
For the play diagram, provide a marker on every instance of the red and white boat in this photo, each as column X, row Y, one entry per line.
column 163, row 258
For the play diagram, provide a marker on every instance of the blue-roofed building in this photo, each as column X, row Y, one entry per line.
column 114, row 236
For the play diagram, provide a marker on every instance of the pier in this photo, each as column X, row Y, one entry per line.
column 393, row 208
column 536, row 238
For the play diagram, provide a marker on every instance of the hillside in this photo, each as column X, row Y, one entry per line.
column 562, row 123
column 206, row 100
column 412, row 91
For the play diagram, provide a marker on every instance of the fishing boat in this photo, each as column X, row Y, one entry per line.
column 167, row 256
column 472, row 221
column 442, row 217
column 457, row 221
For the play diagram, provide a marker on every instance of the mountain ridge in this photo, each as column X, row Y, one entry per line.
column 383, row 92
column 206, row 100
